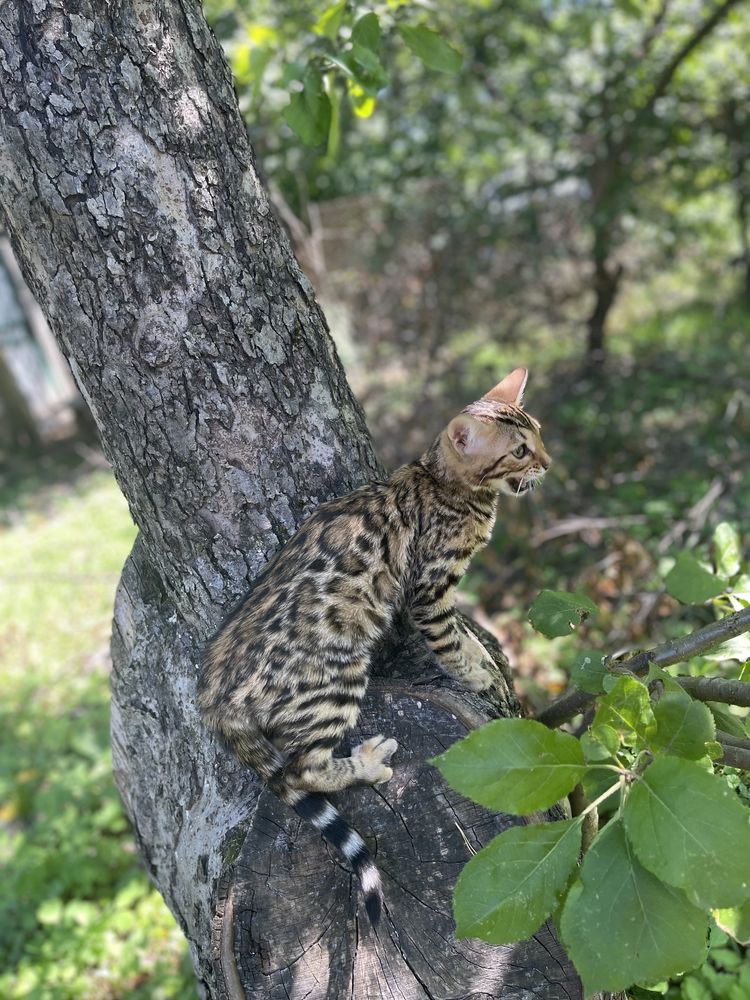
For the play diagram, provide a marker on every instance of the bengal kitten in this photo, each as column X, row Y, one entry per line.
column 284, row 678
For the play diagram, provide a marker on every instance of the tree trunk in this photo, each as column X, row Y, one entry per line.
column 606, row 285
column 736, row 128
column 19, row 430
column 66, row 391
column 130, row 194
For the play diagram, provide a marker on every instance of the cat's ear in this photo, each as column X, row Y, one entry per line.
column 466, row 434
column 510, row 390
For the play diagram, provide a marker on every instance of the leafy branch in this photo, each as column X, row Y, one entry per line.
column 345, row 56
column 631, row 896
column 702, row 31
column 703, row 640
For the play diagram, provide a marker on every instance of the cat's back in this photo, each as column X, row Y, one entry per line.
column 339, row 574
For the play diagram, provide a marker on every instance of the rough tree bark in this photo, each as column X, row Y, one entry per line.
column 128, row 188
column 734, row 123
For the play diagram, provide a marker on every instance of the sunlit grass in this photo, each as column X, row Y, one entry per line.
column 78, row 918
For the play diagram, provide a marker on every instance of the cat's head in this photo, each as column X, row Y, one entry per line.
column 494, row 444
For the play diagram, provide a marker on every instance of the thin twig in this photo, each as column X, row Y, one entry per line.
column 696, row 514
column 575, row 525
column 665, row 77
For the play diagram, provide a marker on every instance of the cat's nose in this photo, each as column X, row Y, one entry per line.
column 544, row 460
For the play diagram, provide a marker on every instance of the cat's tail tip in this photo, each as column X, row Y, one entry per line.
column 369, row 877
column 324, row 816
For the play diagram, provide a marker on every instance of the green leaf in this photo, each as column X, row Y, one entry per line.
column 366, row 32
column 431, row 48
column 693, row 988
column 683, row 726
column 309, row 111
column 597, row 780
column 622, row 924
column 690, row 583
column 594, row 752
column 362, row 102
column 589, row 671
column 687, row 827
column 739, row 595
column 507, row 891
column 514, row 765
column 343, row 64
column 366, row 60
column 736, row 648
column 728, row 550
column 624, row 713
column 735, row 921
column 725, row 720
column 292, row 71
column 657, row 673
column 329, row 22
column 556, row 612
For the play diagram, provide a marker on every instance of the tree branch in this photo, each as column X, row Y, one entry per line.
column 638, row 55
column 673, row 651
column 736, row 757
column 726, row 739
column 736, row 751
column 717, row 689
column 576, row 525
column 667, row 74
column 653, row 30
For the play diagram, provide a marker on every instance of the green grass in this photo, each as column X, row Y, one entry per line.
column 78, row 917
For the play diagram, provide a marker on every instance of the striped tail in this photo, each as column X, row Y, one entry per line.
column 256, row 751
column 325, row 817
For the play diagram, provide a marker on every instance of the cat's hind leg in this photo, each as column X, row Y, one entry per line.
column 320, row 771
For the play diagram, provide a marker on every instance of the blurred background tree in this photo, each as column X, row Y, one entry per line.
column 617, row 112
column 570, row 191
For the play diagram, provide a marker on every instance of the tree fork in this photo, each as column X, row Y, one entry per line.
column 128, row 188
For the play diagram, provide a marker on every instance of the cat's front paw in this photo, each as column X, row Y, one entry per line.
column 479, row 663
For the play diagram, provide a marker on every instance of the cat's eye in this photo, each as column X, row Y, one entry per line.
column 520, row 451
